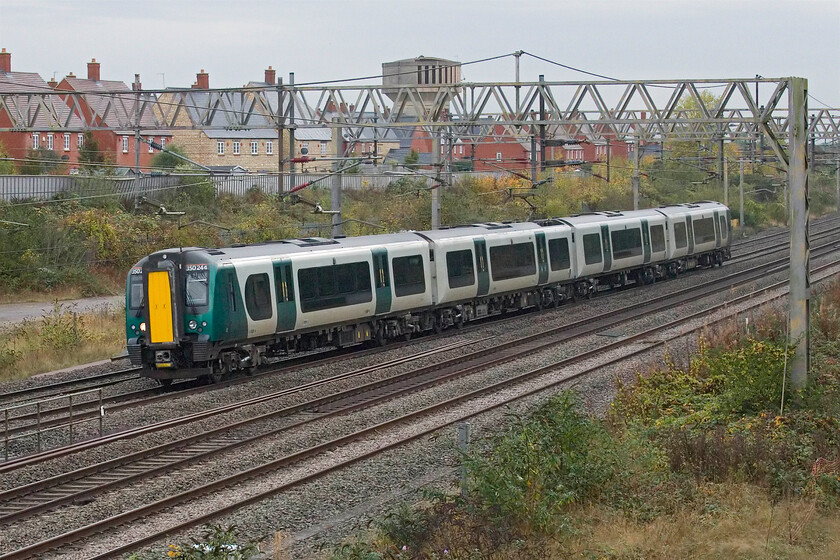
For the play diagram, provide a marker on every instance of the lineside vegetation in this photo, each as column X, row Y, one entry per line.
column 78, row 246
column 693, row 460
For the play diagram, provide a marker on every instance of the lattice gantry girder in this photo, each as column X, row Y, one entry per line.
column 621, row 111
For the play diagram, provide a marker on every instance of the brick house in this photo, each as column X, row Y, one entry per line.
column 256, row 148
column 64, row 142
column 112, row 103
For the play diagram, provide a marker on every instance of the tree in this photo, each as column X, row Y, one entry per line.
column 411, row 159
column 166, row 160
column 40, row 162
column 7, row 166
column 90, row 155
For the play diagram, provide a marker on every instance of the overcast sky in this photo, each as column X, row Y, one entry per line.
column 168, row 41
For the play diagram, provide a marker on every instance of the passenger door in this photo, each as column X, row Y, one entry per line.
column 482, row 269
column 285, row 288
column 646, row 240
column 689, row 233
column 605, row 241
column 381, row 280
column 542, row 257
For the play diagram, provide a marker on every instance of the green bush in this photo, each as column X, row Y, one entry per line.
column 557, row 457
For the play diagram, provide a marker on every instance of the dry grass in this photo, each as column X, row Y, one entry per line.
column 108, row 283
column 732, row 521
column 58, row 340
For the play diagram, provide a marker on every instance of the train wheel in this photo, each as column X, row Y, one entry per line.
column 217, row 372
column 381, row 339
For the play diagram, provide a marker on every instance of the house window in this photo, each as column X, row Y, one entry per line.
column 269, row 147
column 236, row 147
column 151, row 150
column 461, row 150
column 323, row 148
column 221, row 148
column 498, row 156
column 80, row 141
column 125, row 144
column 254, row 147
column 162, row 142
column 36, row 138
column 66, row 142
column 49, row 141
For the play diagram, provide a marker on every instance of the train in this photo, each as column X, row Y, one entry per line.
column 204, row 312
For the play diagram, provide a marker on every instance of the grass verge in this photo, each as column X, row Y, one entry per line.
column 61, row 338
column 692, row 461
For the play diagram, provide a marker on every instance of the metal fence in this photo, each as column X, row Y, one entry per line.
column 45, row 187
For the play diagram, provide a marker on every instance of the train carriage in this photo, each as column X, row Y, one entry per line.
column 206, row 312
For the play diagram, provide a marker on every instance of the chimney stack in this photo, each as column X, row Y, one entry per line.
column 52, row 83
column 270, row 76
column 202, row 80
column 93, row 70
column 5, row 61
column 136, row 85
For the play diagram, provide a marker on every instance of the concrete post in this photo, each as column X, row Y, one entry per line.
column 436, row 191
column 636, row 174
column 741, row 194
column 800, row 281
column 534, row 159
column 725, row 181
column 720, row 165
column 291, row 129
column 338, row 142
column 463, row 447
column 542, row 126
column 281, row 149
column 137, row 125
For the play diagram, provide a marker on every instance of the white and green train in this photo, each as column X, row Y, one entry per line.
column 194, row 312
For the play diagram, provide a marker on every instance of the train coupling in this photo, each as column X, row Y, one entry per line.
column 163, row 359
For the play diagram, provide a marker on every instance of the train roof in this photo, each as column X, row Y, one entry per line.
column 609, row 216
column 699, row 206
column 470, row 230
column 317, row 244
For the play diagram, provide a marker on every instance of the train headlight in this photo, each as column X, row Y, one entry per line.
column 193, row 324
column 143, row 327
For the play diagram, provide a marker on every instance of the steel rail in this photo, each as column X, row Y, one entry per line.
column 367, row 394
column 143, row 511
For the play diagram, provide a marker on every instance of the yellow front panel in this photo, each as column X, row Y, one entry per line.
column 160, row 307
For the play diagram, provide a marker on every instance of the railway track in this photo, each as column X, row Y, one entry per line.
column 19, row 396
column 379, row 391
column 116, row 403
column 368, row 398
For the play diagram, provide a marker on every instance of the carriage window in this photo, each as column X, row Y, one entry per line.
column 592, row 248
column 513, row 261
column 408, row 275
column 258, row 297
column 724, row 231
column 135, row 292
column 657, row 238
column 459, row 265
column 626, row 243
column 325, row 287
column 558, row 251
column 197, row 289
column 680, row 235
column 704, row 230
